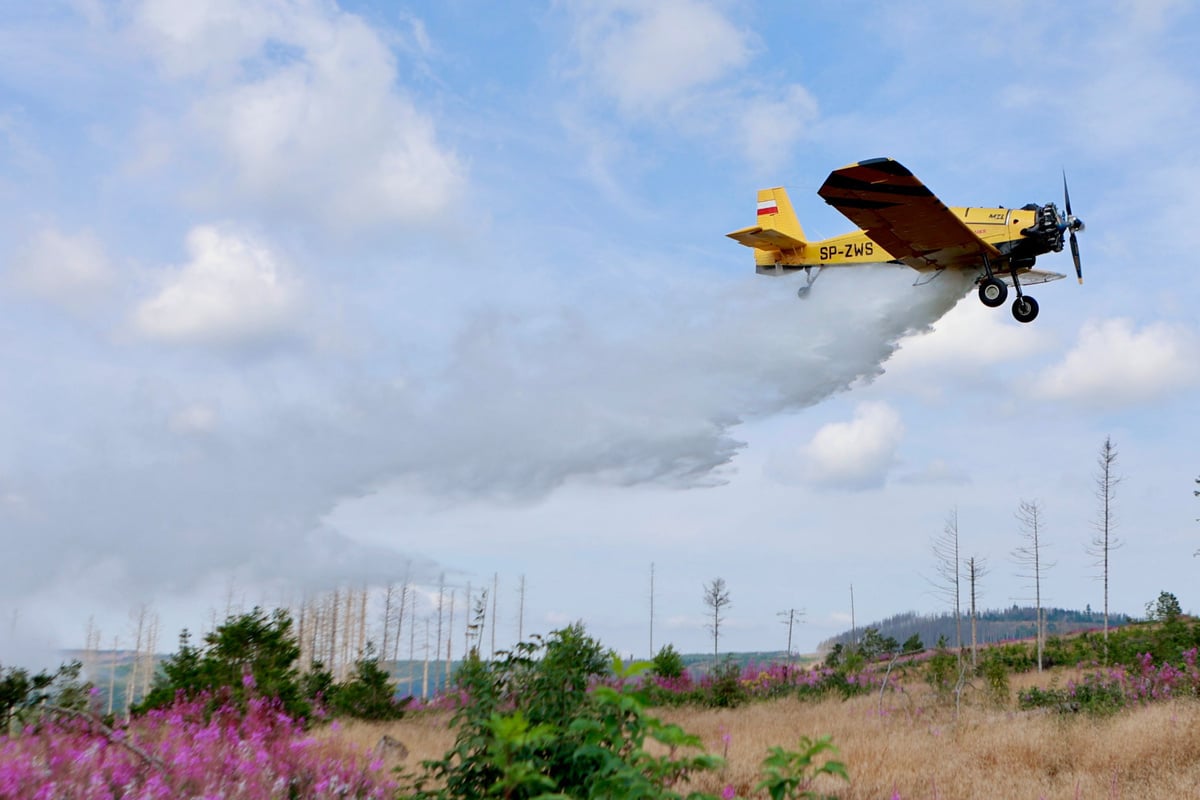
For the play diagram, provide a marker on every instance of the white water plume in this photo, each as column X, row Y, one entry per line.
column 648, row 390
column 526, row 405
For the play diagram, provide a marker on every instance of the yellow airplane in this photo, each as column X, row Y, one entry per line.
column 902, row 222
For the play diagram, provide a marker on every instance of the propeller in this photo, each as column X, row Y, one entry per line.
column 1073, row 223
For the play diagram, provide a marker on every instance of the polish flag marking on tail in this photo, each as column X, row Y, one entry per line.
column 768, row 207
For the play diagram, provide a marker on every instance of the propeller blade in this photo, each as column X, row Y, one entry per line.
column 1075, row 256
column 1072, row 224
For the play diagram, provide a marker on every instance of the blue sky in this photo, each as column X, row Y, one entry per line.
column 296, row 295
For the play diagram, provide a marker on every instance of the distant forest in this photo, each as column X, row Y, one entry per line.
column 1017, row 622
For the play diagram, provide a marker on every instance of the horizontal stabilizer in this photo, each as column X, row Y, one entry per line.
column 1031, row 277
column 766, row 239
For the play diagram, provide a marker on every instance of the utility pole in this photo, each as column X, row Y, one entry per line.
column 853, row 627
column 789, row 618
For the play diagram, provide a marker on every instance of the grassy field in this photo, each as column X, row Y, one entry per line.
column 914, row 747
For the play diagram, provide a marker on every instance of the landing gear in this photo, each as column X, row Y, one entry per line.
column 992, row 292
column 1025, row 309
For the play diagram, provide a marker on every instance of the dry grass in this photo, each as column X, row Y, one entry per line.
column 919, row 749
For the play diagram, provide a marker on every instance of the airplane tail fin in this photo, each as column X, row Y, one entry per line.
column 778, row 229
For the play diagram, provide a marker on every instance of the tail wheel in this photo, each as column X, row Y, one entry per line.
column 993, row 292
column 1025, row 309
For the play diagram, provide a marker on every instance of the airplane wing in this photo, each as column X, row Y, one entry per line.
column 898, row 212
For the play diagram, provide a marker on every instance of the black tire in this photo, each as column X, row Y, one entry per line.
column 1025, row 309
column 993, row 292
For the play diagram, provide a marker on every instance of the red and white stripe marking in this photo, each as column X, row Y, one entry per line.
column 768, row 207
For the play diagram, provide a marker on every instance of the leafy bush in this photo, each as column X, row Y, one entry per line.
column 24, row 697
column 725, row 689
column 252, row 654
column 255, row 655
column 668, row 663
column 531, row 723
column 369, row 694
column 995, row 674
column 941, row 671
column 790, row 773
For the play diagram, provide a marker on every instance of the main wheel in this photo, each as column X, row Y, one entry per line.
column 1025, row 309
column 993, row 292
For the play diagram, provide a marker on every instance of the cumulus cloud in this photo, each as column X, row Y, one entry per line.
column 851, row 455
column 302, row 105
column 1115, row 365
column 648, row 56
column 234, row 291
column 68, row 269
column 684, row 63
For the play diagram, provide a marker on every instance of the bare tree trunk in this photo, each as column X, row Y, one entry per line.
column 333, row 633
column 362, row 624
column 651, row 609
column 388, row 590
column 1105, row 541
column 112, row 674
column 404, row 591
column 1029, row 555
column 853, row 626
column 441, row 602
column 449, row 644
column 716, row 598
column 521, row 611
column 948, row 564
column 91, row 649
column 495, row 619
column 467, row 628
column 412, row 641
column 425, row 673
column 131, row 683
column 976, row 569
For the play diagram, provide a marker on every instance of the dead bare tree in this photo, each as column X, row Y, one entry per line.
column 495, row 594
column 948, row 567
column 441, row 604
column 976, row 569
column 521, row 610
column 651, row 609
column 716, row 598
column 1105, row 540
column 1031, row 559
column 476, row 623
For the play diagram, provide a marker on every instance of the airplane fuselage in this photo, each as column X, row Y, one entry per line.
column 1006, row 229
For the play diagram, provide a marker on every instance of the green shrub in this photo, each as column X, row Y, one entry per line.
column 725, row 689
column 995, row 675
column 530, row 726
column 668, row 663
column 941, row 671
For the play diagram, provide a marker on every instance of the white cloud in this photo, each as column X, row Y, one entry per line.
column 233, row 291
column 847, row 455
column 67, row 269
column 1114, row 365
column 771, row 124
column 646, row 56
column 682, row 63
column 303, row 107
